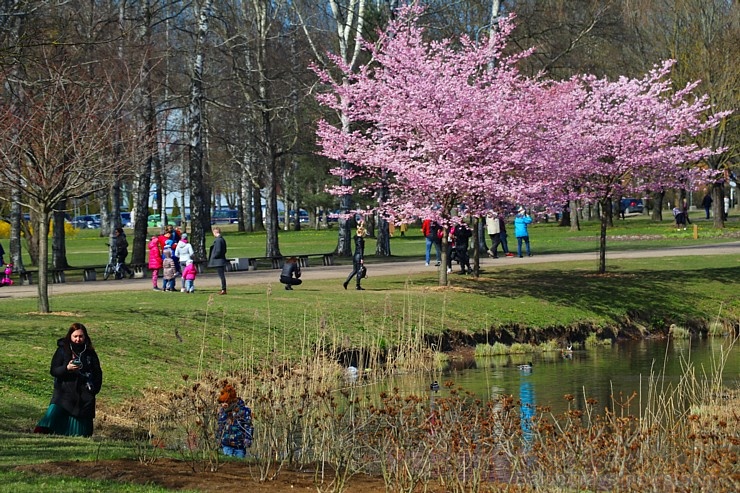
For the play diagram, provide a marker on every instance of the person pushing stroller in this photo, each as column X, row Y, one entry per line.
column 119, row 252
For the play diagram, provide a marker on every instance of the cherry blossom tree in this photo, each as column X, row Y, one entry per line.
column 441, row 126
column 434, row 122
column 603, row 139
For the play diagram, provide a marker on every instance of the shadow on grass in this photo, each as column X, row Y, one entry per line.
column 647, row 292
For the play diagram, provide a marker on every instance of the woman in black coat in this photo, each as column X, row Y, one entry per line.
column 358, row 258
column 217, row 257
column 77, row 380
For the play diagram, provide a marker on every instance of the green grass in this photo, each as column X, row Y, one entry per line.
column 145, row 343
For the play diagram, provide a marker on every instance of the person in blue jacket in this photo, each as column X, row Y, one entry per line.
column 235, row 431
column 521, row 231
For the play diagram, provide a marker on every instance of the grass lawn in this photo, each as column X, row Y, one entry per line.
column 144, row 342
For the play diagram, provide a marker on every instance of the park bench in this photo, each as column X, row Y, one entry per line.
column 252, row 263
column 89, row 273
column 58, row 276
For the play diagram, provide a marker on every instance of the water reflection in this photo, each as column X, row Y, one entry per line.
column 609, row 376
column 526, row 406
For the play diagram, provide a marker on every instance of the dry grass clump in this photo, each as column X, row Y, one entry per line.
column 321, row 418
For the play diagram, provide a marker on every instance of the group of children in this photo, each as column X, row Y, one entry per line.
column 172, row 253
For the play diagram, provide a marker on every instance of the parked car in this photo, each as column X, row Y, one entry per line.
column 126, row 219
column 631, row 205
column 86, row 222
column 302, row 216
column 221, row 216
column 154, row 221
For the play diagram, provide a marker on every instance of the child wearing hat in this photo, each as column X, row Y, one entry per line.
column 168, row 270
column 235, row 430
column 188, row 277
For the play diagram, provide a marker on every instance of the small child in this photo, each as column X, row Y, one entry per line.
column 188, row 276
column 155, row 261
column 168, row 271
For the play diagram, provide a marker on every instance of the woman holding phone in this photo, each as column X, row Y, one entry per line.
column 77, row 380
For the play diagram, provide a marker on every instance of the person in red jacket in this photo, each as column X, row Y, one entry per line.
column 433, row 234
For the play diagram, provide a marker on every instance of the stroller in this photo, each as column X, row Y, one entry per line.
column 6, row 280
column 114, row 267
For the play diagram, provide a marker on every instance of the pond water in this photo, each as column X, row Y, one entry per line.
column 595, row 373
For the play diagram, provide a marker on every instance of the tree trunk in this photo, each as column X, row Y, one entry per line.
column 105, row 216
column 141, row 211
column 144, row 174
column 575, row 221
column 657, row 213
column 272, row 248
column 259, row 217
column 479, row 243
column 383, row 243
column 443, row 266
column 30, row 233
column 565, row 218
column 199, row 190
column 43, row 286
column 14, row 245
column 58, row 245
column 481, row 230
column 605, row 206
column 718, row 205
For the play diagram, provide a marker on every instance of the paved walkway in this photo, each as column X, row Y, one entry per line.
column 209, row 281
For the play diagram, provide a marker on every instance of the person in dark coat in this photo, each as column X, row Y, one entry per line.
column 217, row 257
column 707, row 203
column 462, row 236
column 119, row 247
column 291, row 273
column 358, row 259
column 77, row 380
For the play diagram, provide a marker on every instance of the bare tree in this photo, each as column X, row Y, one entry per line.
column 59, row 146
column 198, row 165
column 704, row 36
column 349, row 19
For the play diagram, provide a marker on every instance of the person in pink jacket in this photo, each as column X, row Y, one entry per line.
column 155, row 261
column 188, row 276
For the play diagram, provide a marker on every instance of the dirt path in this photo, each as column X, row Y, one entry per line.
column 179, row 475
column 209, row 282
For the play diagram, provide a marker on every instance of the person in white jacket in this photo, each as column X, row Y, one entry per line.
column 184, row 252
column 496, row 228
